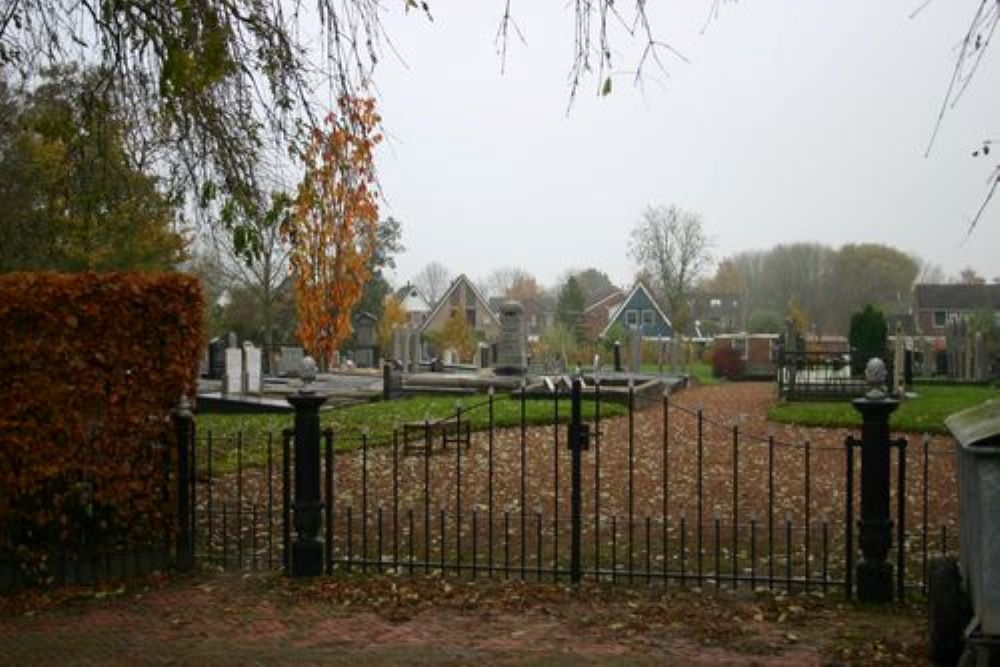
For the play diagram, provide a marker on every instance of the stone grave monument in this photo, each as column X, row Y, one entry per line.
column 232, row 378
column 510, row 348
column 251, row 369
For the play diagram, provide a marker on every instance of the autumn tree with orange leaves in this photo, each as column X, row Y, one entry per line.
column 332, row 231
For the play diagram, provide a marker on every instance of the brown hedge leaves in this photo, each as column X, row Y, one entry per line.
column 90, row 367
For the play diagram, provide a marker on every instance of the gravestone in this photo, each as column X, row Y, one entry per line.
column 637, row 351
column 232, row 378
column 216, row 358
column 898, row 386
column 251, row 369
column 289, row 360
column 232, row 340
column 510, row 348
column 416, row 349
column 982, row 365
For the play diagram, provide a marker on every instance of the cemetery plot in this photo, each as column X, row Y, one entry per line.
column 769, row 511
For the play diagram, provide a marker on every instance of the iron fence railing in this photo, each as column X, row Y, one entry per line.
column 666, row 494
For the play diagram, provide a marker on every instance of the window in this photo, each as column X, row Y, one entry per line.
column 715, row 303
column 470, row 316
column 939, row 318
column 740, row 345
column 631, row 318
column 647, row 318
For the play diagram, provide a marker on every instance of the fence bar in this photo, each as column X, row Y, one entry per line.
column 328, row 483
column 253, row 537
column 270, row 502
column 524, row 467
column 576, row 470
column 239, row 500
column 597, row 475
column 849, row 521
column 458, row 492
column 286, row 498
column 555, row 496
column 489, row 518
column 666, row 481
column 770, row 512
column 736, row 504
column 211, row 521
column 923, row 577
column 364, row 502
column 901, row 521
column 753, row 554
column 395, row 500
column 701, row 498
column 443, row 540
column 427, row 496
column 631, row 474
column 808, row 508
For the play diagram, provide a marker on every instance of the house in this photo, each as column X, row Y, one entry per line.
column 416, row 306
column 760, row 352
column 934, row 305
column 717, row 312
column 598, row 313
column 463, row 297
column 639, row 310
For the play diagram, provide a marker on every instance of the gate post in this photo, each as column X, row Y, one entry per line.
column 577, row 439
column 874, row 572
column 307, row 550
column 184, row 429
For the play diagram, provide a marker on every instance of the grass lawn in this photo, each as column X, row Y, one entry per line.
column 926, row 413
column 380, row 418
column 700, row 370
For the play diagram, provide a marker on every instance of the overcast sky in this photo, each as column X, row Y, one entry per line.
column 795, row 120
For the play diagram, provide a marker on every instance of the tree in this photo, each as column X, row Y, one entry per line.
column 671, row 245
column 969, row 276
column 594, row 283
column 569, row 309
column 72, row 195
column 333, row 230
column 387, row 246
column 457, row 335
column 559, row 342
column 764, row 321
column 222, row 79
column 433, row 281
column 867, row 337
column 393, row 317
column 260, row 279
column 501, row 281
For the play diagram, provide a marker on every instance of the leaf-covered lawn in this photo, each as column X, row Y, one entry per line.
column 924, row 414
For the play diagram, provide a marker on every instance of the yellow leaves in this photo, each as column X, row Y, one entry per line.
column 333, row 227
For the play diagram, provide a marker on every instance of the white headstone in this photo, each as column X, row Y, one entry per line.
column 232, row 380
column 251, row 369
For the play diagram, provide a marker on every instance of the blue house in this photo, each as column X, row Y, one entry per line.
column 640, row 311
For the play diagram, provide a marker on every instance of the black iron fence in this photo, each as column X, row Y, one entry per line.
column 820, row 376
column 665, row 493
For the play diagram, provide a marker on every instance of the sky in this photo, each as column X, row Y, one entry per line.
column 793, row 120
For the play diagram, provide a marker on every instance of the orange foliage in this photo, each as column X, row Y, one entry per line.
column 91, row 366
column 333, row 229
